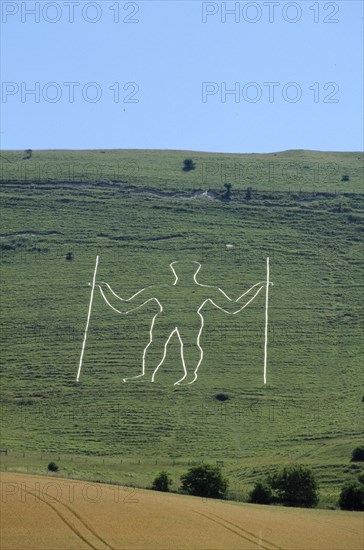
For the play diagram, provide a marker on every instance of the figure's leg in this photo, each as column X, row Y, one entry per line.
column 191, row 353
column 155, row 351
column 160, row 346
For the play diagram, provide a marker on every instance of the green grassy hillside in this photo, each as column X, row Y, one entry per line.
column 139, row 212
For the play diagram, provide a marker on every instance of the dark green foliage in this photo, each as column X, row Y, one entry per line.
column 261, row 494
column 358, row 454
column 226, row 195
column 222, row 397
column 28, row 154
column 6, row 246
column 26, row 401
column 204, row 481
column 345, row 178
column 352, row 496
column 296, row 486
column 52, row 467
column 69, row 256
column 248, row 194
column 188, row 165
column 162, row 482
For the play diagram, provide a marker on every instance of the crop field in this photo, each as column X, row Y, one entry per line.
column 139, row 211
column 39, row 512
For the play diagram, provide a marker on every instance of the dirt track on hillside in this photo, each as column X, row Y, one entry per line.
column 40, row 512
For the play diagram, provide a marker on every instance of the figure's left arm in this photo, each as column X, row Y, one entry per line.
column 250, row 294
column 226, row 304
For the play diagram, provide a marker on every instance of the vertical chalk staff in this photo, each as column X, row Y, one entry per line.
column 88, row 319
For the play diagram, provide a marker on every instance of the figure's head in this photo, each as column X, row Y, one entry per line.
column 184, row 270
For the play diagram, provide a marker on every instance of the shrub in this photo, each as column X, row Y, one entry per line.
column 162, row 482
column 352, row 496
column 345, row 178
column 222, row 397
column 26, row 401
column 52, row 467
column 248, row 194
column 69, row 256
column 261, row 494
column 296, row 486
column 226, row 195
column 205, row 481
column 188, row 165
column 28, row 154
column 358, row 454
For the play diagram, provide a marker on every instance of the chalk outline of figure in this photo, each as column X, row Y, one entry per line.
column 176, row 330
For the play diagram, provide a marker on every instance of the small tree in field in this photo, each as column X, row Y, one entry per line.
column 358, row 454
column 204, row 481
column 188, row 165
column 352, row 496
column 162, row 482
column 296, row 486
column 52, row 467
column 261, row 494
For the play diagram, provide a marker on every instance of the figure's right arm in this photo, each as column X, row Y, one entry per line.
column 121, row 305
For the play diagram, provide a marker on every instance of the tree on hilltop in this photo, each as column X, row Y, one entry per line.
column 188, row 165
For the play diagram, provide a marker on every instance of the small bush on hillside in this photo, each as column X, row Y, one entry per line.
column 248, row 194
column 52, row 467
column 261, row 494
column 222, row 397
column 162, row 482
column 27, row 154
column 358, row 454
column 352, row 496
column 69, row 256
column 188, row 165
column 295, row 486
column 204, row 481
column 26, row 401
column 345, row 178
column 226, row 195
column 6, row 246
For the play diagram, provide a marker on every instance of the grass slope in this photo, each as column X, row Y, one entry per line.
column 139, row 211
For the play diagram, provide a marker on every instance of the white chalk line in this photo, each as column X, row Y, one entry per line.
column 88, row 320
column 175, row 330
column 266, row 326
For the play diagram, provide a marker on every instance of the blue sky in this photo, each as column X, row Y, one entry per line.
column 176, row 60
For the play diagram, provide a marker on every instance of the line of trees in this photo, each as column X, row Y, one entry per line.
column 293, row 485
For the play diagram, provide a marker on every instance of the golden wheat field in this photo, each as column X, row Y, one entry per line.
column 39, row 512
